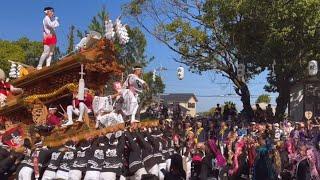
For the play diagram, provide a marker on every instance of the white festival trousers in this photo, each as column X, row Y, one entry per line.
column 49, row 175
column 46, row 55
column 79, row 112
column 25, row 173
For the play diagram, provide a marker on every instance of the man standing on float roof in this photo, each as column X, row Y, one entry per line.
column 50, row 23
column 136, row 86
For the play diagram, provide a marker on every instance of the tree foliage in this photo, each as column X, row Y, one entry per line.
column 98, row 22
column 263, row 98
column 281, row 36
column 71, row 39
column 10, row 51
column 217, row 35
column 32, row 50
column 133, row 53
column 155, row 88
column 130, row 54
column 198, row 31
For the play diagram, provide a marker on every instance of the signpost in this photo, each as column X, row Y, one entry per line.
column 308, row 114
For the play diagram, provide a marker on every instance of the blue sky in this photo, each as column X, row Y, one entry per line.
column 24, row 18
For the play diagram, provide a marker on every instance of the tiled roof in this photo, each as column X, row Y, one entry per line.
column 178, row 97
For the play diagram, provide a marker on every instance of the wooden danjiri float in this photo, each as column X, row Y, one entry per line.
column 54, row 85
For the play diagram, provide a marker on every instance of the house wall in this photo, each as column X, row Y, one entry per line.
column 192, row 111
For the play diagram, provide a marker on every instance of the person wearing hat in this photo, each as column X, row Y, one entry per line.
column 79, row 107
column 136, row 86
column 50, row 23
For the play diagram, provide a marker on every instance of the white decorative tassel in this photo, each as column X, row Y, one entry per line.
column 121, row 32
column 109, row 30
column 19, row 70
column 13, row 71
column 81, row 85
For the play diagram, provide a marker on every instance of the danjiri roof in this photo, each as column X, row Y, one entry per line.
column 178, row 97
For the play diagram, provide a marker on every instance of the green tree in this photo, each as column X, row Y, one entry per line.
column 133, row 52
column 263, row 98
column 71, row 39
column 98, row 22
column 32, row 50
column 10, row 51
column 129, row 55
column 210, row 112
column 281, row 36
column 196, row 30
column 216, row 34
column 155, row 88
column 229, row 104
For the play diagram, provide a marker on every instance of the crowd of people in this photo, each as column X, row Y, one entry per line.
column 195, row 148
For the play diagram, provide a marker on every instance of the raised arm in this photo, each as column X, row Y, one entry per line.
column 51, row 24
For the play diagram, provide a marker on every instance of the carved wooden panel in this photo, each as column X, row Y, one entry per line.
column 39, row 114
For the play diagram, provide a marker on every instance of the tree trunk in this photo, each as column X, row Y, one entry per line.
column 245, row 98
column 283, row 98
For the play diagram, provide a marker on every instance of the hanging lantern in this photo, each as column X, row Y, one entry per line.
column 313, row 68
column 180, row 73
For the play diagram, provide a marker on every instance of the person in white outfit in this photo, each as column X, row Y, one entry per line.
column 135, row 85
column 50, row 23
column 79, row 107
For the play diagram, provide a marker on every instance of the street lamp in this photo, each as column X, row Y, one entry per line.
column 313, row 68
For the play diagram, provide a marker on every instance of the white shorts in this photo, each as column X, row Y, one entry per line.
column 168, row 163
column 92, row 175
column 75, row 175
column 162, row 166
column 25, row 173
column 108, row 176
column 154, row 170
column 138, row 174
column 49, row 175
column 62, row 175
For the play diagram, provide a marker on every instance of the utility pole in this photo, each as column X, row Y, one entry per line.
column 160, row 70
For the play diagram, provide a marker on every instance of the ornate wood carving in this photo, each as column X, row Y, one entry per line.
column 39, row 113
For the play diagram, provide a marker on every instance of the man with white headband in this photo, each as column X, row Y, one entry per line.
column 50, row 23
column 136, row 86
